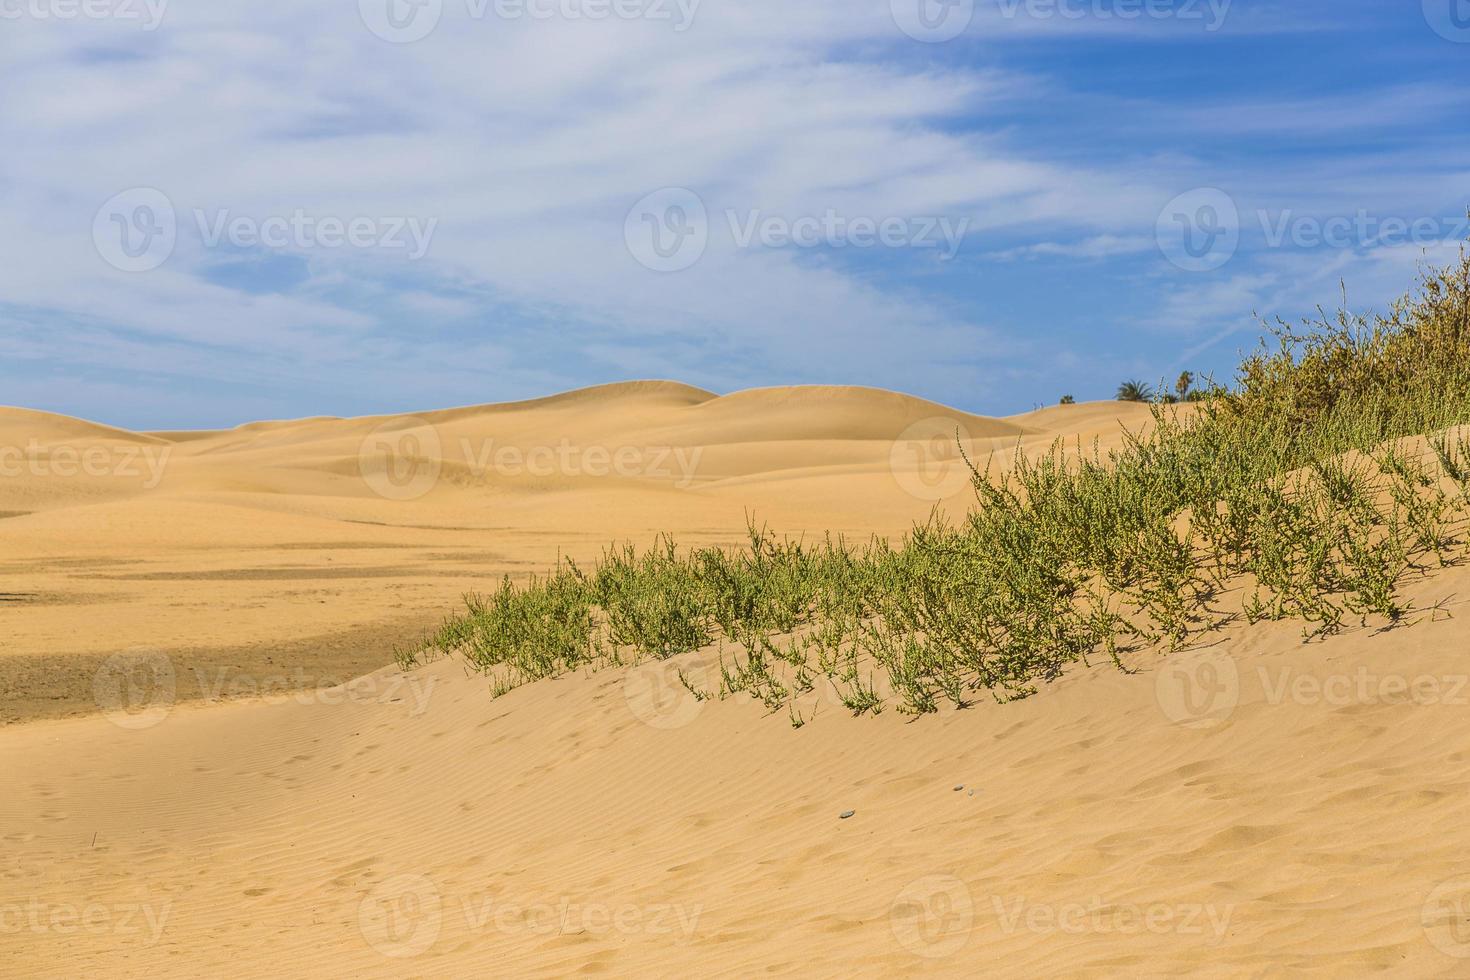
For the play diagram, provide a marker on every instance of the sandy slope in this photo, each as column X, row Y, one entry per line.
column 1258, row 807
column 304, row 551
column 1271, row 809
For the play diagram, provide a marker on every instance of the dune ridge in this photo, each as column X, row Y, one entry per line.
column 509, row 488
column 22, row 426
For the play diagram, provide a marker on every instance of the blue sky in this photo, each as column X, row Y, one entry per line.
column 220, row 212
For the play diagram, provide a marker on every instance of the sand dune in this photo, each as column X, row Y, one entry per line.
column 1253, row 807
column 20, row 427
column 288, row 535
column 409, row 825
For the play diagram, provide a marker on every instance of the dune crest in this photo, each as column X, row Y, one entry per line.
column 300, row 531
column 22, row 426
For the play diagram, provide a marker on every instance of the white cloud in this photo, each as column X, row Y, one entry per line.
column 1095, row 247
column 528, row 141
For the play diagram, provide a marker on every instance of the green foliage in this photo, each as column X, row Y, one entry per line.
column 541, row 628
column 1298, row 491
column 651, row 601
column 1135, row 391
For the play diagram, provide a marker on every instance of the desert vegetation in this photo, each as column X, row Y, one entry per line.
column 1308, row 489
column 1135, row 391
column 1141, row 391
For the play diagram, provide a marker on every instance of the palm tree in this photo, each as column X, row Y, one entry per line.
column 1185, row 382
column 1135, row 391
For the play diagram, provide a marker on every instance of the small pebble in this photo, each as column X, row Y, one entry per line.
column 972, row 792
column 959, row 787
column 846, row 814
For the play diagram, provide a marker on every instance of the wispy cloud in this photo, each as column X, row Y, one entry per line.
column 526, row 142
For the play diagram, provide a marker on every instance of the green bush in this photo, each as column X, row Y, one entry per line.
column 1290, row 489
